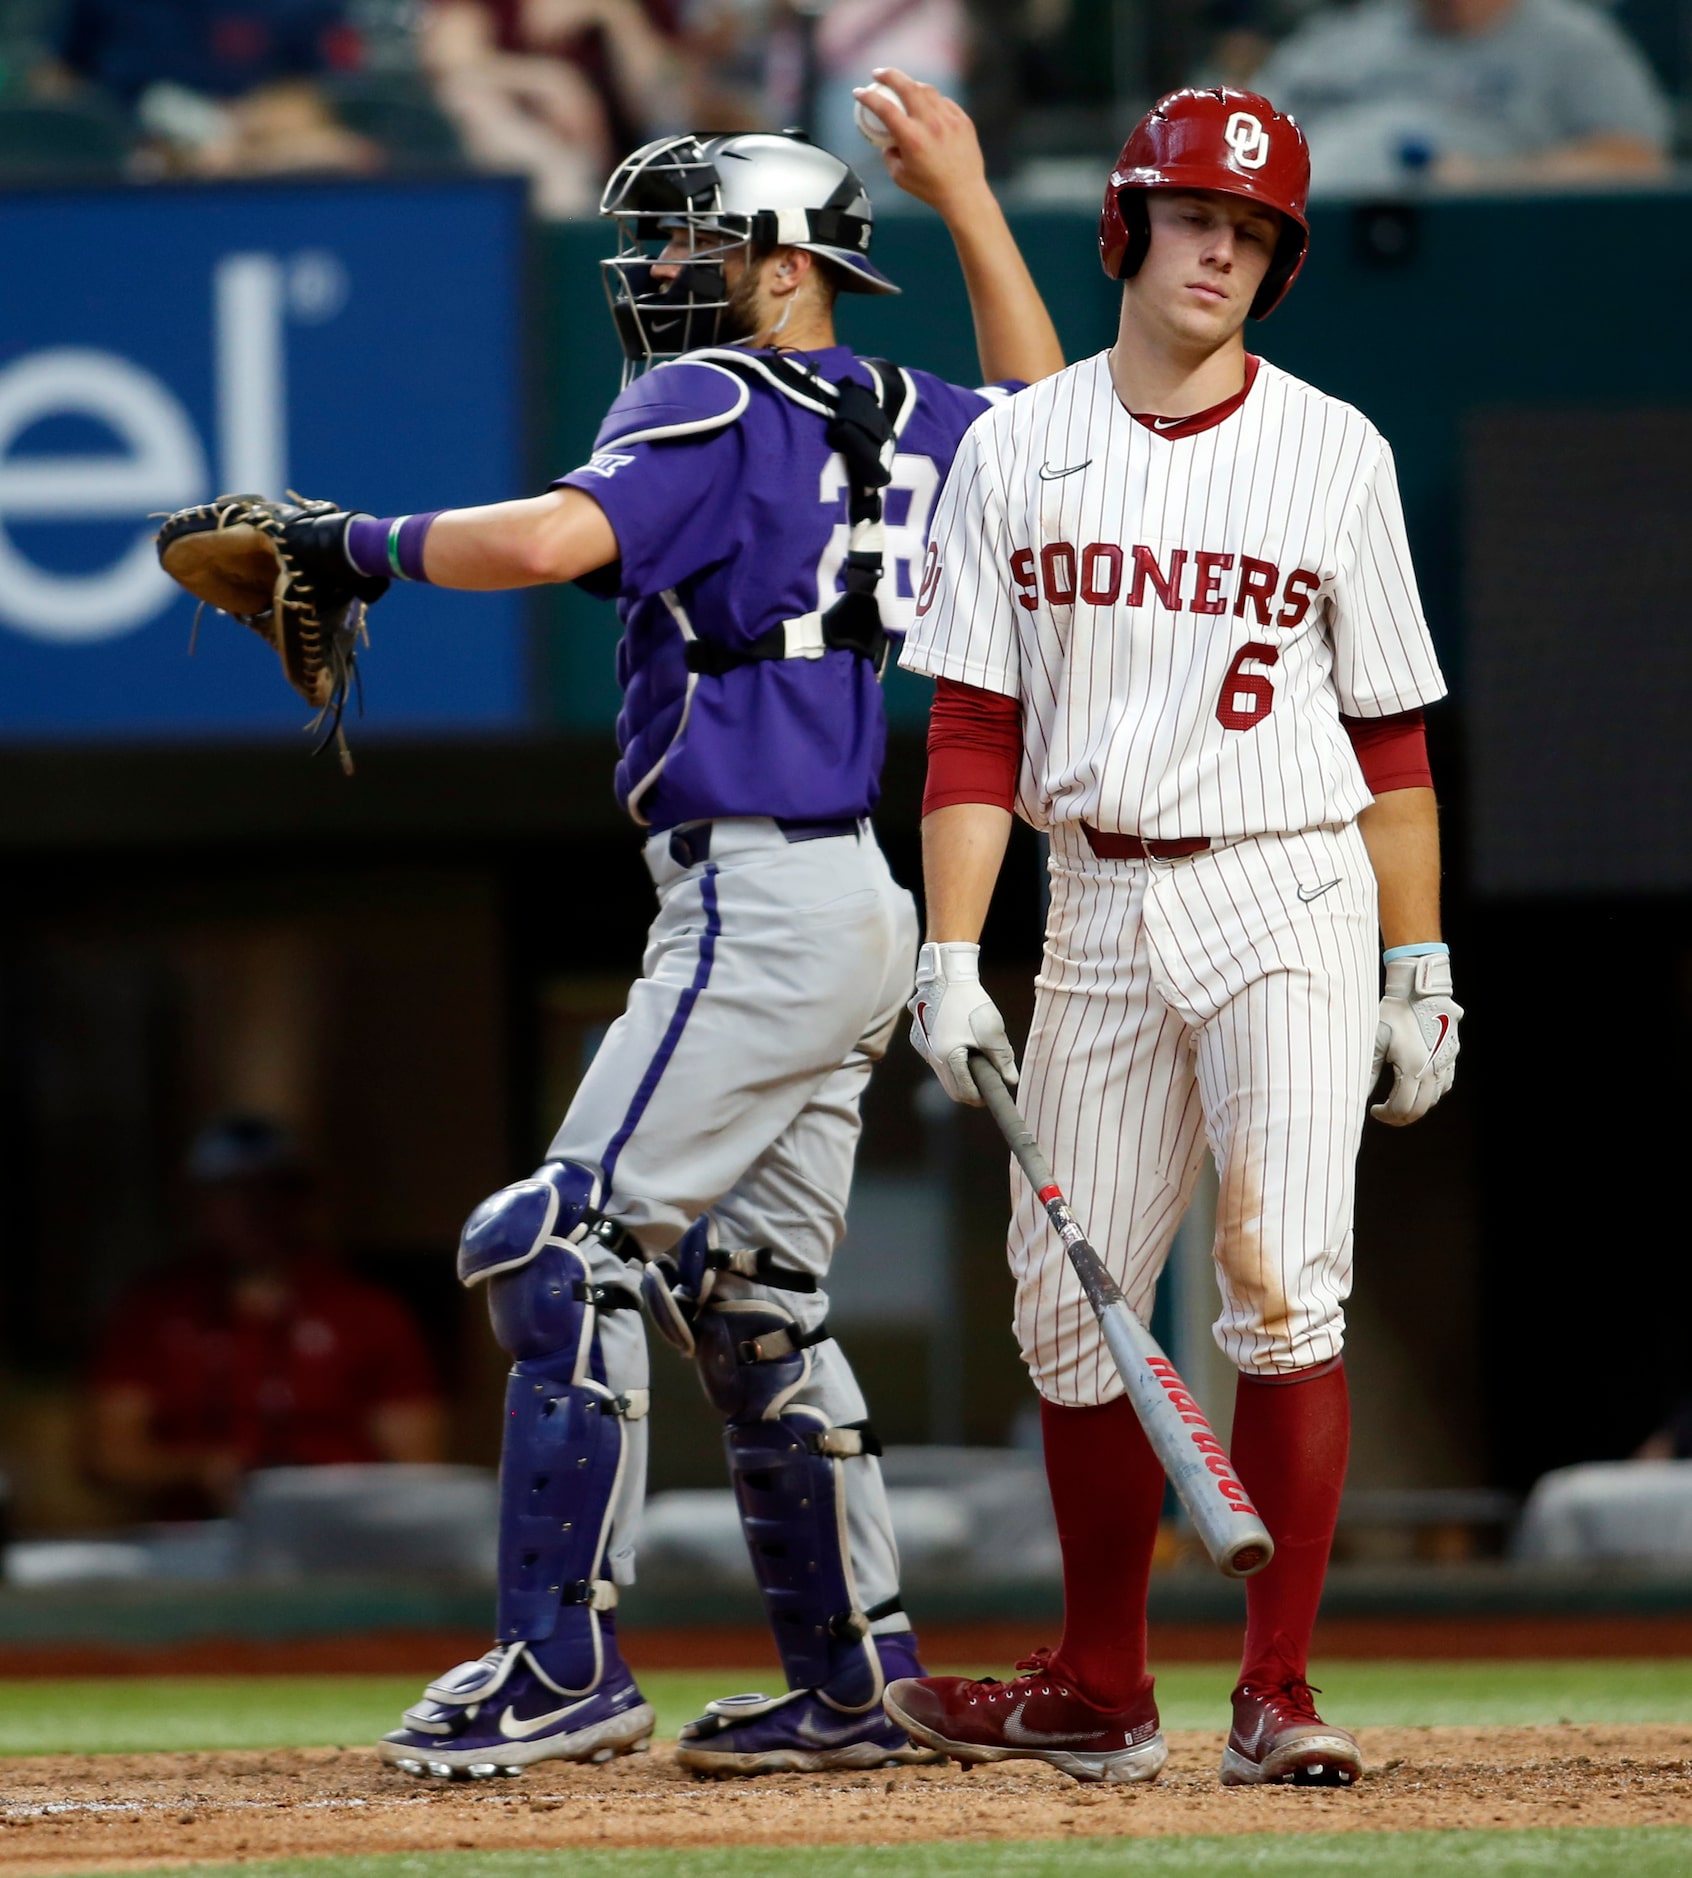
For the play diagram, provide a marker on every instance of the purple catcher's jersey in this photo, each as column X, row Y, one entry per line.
column 729, row 510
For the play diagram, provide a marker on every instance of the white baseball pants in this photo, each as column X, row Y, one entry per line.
column 1232, row 996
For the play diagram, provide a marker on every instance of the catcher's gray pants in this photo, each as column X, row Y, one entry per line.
column 774, row 976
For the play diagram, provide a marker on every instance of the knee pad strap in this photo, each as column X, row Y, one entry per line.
column 753, row 1357
column 677, row 1284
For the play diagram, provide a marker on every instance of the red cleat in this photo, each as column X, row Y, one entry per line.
column 1279, row 1739
column 1038, row 1717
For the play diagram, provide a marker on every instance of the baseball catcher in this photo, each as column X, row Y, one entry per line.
column 755, row 503
column 281, row 569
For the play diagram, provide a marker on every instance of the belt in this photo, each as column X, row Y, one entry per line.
column 1109, row 847
column 691, row 844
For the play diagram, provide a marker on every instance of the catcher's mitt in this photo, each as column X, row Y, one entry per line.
column 281, row 569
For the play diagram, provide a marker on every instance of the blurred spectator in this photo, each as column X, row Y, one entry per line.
column 517, row 110
column 928, row 39
column 1672, row 1441
column 725, row 47
column 626, row 48
column 283, row 129
column 1241, row 34
column 553, row 88
column 253, row 1350
column 221, row 87
column 1469, row 94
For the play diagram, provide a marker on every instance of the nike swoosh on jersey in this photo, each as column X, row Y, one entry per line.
column 1315, row 893
column 515, row 1729
column 1050, row 475
column 1166, row 423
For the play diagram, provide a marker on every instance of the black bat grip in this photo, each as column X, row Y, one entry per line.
column 1001, row 1105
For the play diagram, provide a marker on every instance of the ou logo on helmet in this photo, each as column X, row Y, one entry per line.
column 1248, row 140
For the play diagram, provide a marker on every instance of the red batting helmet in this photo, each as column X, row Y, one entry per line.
column 1233, row 142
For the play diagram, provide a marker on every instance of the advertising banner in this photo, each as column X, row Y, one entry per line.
column 162, row 346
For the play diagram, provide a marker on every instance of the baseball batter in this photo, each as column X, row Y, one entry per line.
column 758, row 510
column 1170, row 608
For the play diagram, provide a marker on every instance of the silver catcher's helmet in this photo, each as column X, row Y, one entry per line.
column 759, row 189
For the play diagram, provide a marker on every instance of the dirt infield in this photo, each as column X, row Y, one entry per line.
column 116, row 1812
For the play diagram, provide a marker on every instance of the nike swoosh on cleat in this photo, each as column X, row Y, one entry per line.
column 1020, row 1735
column 1050, row 475
column 822, row 1737
column 515, row 1729
column 1315, row 893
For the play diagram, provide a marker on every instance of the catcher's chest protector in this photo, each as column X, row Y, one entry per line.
column 863, row 424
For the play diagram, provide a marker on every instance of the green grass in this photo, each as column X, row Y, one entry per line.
column 135, row 1714
column 1639, row 1852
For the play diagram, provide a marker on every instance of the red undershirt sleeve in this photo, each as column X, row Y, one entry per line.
column 1392, row 752
column 974, row 747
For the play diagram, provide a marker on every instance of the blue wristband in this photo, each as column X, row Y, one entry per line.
column 1433, row 949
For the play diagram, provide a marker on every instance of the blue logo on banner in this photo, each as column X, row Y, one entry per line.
column 152, row 354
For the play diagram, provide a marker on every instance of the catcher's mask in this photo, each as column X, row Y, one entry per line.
column 1233, row 143
column 755, row 191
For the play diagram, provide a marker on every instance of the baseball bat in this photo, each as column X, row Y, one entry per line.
column 1182, row 1439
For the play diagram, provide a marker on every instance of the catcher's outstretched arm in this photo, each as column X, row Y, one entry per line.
column 555, row 537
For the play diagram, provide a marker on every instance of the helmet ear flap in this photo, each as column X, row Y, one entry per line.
column 1136, row 219
column 1288, row 259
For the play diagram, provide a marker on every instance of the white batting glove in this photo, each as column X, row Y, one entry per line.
column 951, row 1015
column 1417, row 1037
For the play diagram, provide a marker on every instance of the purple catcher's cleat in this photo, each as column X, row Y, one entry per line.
column 502, row 1713
column 803, row 1732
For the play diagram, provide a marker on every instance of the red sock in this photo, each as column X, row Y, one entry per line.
column 1107, row 1493
column 1290, row 1442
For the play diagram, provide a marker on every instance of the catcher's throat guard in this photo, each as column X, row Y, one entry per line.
column 280, row 568
column 687, row 203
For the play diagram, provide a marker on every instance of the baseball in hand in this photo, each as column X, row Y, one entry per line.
column 867, row 121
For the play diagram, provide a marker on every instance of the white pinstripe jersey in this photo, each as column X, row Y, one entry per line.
column 1183, row 616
